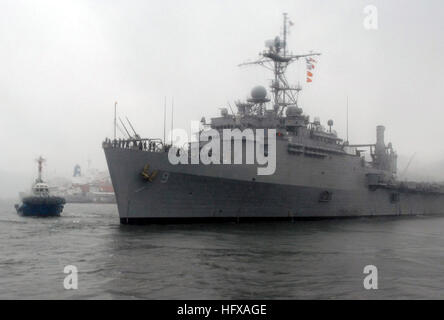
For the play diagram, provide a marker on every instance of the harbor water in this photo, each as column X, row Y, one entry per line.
column 301, row 260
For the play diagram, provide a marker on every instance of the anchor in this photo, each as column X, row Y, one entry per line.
column 146, row 175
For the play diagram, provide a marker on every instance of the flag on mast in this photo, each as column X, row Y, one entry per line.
column 310, row 66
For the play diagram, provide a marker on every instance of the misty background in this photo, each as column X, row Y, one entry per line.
column 64, row 64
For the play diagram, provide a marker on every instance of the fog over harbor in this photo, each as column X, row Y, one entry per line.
column 64, row 63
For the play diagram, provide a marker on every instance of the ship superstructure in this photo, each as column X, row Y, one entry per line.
column 317, row 174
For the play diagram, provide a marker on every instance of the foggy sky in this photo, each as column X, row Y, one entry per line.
column 64, row 63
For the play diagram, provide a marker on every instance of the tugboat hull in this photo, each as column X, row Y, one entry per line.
column 41, row 206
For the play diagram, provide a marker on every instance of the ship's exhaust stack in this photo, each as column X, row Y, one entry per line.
column 380, row 144
column 386, row 157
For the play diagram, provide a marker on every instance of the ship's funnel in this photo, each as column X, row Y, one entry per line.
column 380, row 145
column 380, row 135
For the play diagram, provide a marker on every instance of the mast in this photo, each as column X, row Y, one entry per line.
column 40, row 161
column 285, row 33
column 347, row 119
column 164, row 118
column 276, row 59
column 172, row 110
column 115, row 119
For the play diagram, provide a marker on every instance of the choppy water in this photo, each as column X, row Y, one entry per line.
column 310, row 259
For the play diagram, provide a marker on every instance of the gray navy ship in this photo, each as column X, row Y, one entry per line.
column 317, row 174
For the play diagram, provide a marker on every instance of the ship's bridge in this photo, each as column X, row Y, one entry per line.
column 40, row 189
column 244, row 121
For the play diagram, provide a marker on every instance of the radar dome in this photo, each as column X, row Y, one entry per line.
column 258, row 93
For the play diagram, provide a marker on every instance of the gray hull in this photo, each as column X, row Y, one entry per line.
column 235, row 192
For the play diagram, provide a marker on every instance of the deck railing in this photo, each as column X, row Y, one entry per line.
column 146, row 144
